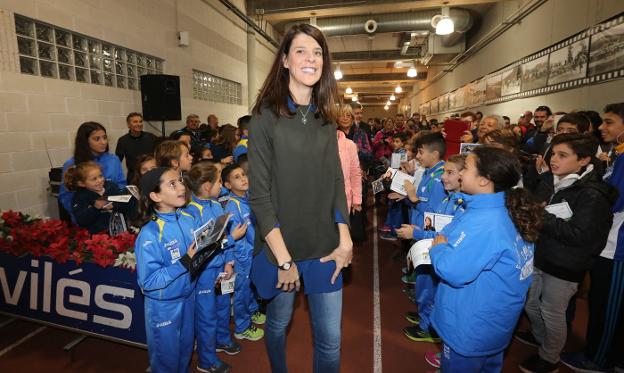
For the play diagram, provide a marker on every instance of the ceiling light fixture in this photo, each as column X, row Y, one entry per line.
column 354, row 98
column 398, row 89
column 412, row 73
column 386, row 107
column 388, row 103
column 443, row 23
column 393, row 97
column 349, row 90
column 338, row 73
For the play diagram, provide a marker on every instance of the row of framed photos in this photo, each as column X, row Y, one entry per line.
column 592, row 56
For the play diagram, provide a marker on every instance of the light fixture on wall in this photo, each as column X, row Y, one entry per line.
column 338, row 73
column 392, row 97
column 349, row 90
column 443, row 23
column 398, row 89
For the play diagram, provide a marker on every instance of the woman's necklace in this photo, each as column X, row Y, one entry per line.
column 304, row 117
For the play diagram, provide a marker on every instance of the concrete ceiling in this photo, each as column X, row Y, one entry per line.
column 372, row 64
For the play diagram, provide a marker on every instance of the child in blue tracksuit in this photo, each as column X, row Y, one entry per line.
column 484, row 260
column 394, row 216
column 450, row 205
column 425, row 198
column 163, row 252
column 212, row 311
column 245, row 304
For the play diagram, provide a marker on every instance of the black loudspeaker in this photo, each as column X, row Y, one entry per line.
column 160, row 96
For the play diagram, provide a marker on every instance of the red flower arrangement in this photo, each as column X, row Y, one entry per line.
column 22, row 234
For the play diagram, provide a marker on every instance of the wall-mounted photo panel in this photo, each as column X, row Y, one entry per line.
column 512, row 80
column 493, row 84
column 433, row 108
column 452, row 100
column 568, row 63
column 607, row 50
column 476, row 92
column 443, row 104
column 535, row 73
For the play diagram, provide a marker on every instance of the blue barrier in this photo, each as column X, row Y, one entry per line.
column 103, row 302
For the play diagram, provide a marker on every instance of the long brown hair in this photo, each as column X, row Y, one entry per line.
column 274, row 93
column 503, row 169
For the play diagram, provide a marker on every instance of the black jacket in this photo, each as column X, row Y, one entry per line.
column 93, row 219
column 567, row 248
column 132, row 148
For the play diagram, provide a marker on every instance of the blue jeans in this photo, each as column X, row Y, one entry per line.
column 325, row 314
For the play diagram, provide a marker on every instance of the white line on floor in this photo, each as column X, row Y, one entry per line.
column 32, row 334
column 376, row 301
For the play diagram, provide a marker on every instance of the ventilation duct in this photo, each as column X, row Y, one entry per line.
column 392, row 22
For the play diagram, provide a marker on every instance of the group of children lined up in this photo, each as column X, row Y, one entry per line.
column 178, row 196
column 483, row 270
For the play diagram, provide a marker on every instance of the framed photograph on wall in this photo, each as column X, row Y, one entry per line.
column 512, row 79
column 493, row 84
column 443, row 104
column 568, row 63
column 607, row 50
column 535, row 73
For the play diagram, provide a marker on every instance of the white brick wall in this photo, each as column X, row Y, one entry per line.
column 39, row 116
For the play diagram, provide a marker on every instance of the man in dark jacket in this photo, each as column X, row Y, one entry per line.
column 135, row 143
column 576, row 224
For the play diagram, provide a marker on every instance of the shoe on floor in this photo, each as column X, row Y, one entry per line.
column 223, row 368
column 527, row 338
column 231, row 349
column 385, row 229
column 535, row 364
column 416, row 334
column 258, row 318
column 387, row 236
column 433, row 358
column 578, row 362
column 252, row 333
column 412, row 317
column 409, row 279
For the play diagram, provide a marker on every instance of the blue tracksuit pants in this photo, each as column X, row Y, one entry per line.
column 212, row 318
column 245, row 303
column 169, row 331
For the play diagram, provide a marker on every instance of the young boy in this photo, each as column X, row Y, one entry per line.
column 394, row 217
column 427, row 198
column 243, row 127
column 567, row 245
column 606, row 295
column 245, row 305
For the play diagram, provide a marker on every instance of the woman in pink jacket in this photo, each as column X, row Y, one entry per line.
column 347, row 150
column 382, row 141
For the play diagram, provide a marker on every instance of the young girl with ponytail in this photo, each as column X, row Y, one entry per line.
column 485, row 261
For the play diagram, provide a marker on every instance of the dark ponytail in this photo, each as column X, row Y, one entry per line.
column 503, row 169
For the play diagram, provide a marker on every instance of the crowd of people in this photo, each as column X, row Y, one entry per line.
column 533, row 207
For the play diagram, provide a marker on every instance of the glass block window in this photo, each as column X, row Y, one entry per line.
column 213, row 88
column 53, row 52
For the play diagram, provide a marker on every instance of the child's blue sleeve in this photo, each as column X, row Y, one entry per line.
column 152, row 274
column 420, row 234
column 437, row 196
column 461, row 260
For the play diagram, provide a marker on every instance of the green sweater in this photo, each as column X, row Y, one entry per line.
column 296, row 183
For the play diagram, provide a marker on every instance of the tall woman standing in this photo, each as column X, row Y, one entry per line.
column 298, row 197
